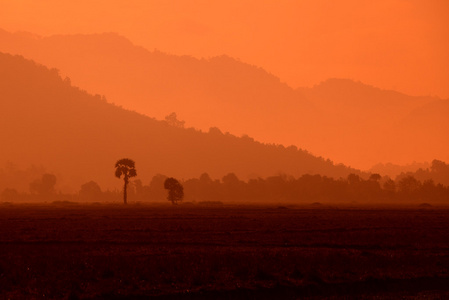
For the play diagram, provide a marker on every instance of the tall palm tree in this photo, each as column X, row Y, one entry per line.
column 125, row 167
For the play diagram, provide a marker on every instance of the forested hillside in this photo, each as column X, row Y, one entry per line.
column 77, row 136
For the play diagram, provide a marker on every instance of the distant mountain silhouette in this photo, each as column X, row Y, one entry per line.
column 347, row 121
column 393, row 171
column 46, row 121
column 380, row 125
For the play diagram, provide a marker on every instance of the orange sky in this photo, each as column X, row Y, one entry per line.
column 392, row 44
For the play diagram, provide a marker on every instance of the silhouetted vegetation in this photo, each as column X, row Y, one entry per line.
column 90, row 192
column 44, row 186
column 306, row 189
column 314, row 188
column 125, row 167
column 280, row 189
column 438, row 173
column 175, row 190
column 172, row 120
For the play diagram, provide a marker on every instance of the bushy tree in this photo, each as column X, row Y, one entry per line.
column 125, row 167
column 172, row 120
column 90, row 191
column 44, row 186
column 389, row 186
column 375, row 177
column 408, row 184
column 354, row 179
column 175, row 190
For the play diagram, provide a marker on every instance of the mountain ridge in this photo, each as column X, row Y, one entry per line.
column 351, row 123
column 80, row 136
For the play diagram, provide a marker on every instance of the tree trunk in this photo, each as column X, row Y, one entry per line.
column 124, row 191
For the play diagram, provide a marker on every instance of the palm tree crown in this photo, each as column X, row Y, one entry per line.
column 125, row 167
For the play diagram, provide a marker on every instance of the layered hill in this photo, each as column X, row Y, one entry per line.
column 347, row 121
column 372, row 125
column 47, row 121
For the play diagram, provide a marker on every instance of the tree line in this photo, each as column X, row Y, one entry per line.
column 230, row 189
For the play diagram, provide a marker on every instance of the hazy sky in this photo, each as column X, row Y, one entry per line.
column 392, row 44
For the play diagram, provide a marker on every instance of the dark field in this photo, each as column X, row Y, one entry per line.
column 222, row 252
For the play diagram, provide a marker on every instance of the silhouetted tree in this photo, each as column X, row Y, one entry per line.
column 389, row 186
column 90, row 191
column 44, row 186
column 125, row 167
column 408, row 185
column 438, row 166
column 233, row 187
column 230, row 180
column 205, row 179
column 175, row 190
column 353, row 179
column 375, row 177
column 428, row 189
column 440, row 172
column 172, row 120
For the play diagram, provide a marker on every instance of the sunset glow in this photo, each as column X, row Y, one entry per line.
column 239, row 149
column 391, row 44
